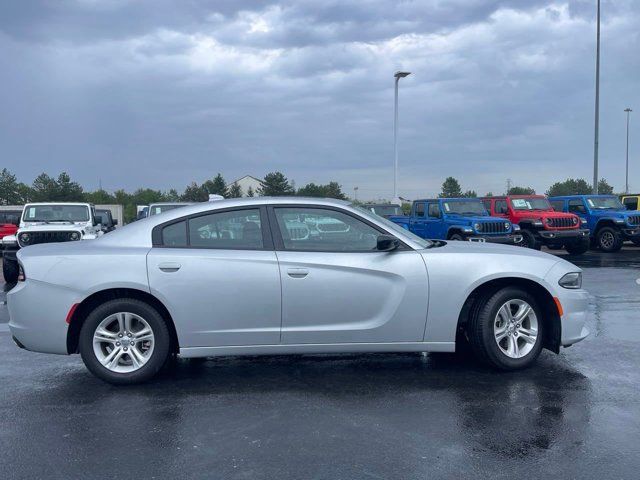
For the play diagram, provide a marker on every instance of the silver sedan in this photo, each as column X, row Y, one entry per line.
column 287, row 275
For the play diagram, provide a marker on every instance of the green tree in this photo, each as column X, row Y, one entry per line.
column 66, row 190
column 470, row 194
column 195, row 193
column 234, row 191
column 12, row 192
column 173, row 195
column 604, row 188
column 217, row 186
column 521, row 191
column 99, row 197
column 450, row 188
column 276, row 184
column 488, row 194
column 44, row 188
column 571, row 186
column 250, row 192
column 330, row 190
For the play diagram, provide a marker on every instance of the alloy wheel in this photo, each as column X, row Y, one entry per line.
column 607, row 240
column 123, row 342
column 515, row 328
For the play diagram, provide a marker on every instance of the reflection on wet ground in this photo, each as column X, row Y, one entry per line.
column 574, row 415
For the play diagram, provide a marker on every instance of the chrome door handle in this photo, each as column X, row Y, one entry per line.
column 169, row 267
column 297, row 272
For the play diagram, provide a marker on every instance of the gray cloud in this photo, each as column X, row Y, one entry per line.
column 161, row 93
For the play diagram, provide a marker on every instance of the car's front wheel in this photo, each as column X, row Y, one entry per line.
column 579, row 247
column 124, row 341
column 529, row 240
column 506, row 330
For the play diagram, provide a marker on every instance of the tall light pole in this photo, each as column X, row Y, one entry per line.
column 398, row 76
column 626, row 183
column 597, row 113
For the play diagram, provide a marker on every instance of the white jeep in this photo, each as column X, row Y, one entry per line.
column 47, row 223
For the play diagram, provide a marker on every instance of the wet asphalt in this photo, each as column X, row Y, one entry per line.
column 573, row 415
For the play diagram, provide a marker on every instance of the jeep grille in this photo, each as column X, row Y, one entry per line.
column 562, row 222
column 493, row 227
column 47, row 237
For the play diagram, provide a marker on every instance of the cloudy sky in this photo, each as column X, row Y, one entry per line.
column 159, row 93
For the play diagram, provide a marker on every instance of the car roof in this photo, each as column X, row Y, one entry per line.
column 57, row 203
column 504, row 197
column 456, row 199
column 569, row 197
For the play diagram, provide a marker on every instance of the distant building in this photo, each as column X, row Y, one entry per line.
column 247, row 182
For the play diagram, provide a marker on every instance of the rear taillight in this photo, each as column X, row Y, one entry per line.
column 21, row 276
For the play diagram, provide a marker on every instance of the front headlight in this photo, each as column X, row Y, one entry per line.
column 571, row 280
column 25, row 238
column 575, row 220
column 506, row 225
column 477, row 227
column 74, row 236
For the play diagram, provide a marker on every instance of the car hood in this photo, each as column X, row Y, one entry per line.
column 492, row 248
column 52, row 227
column 477, row 218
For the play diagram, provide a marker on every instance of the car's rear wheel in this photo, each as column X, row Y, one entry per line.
column 124, row 341
column 609, row 239
column 506, row 331
column 10, row 270
column 579, row 247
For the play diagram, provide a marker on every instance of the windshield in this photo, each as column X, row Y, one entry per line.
column 465, row 207
column 534, row 203
column 158, row 209
column 384, row 210
column 56, row 213
column 604, row 203
column 394, row 227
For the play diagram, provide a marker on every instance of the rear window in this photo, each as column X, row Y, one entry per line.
column 175, row 235
column 10, row 216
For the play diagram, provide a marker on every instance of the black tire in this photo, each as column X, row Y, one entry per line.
column 609, row 239
column 636, row 242
column 556, row 247
column 480, row 330
column 529, row 240
column 456, row 236
column 10, row 270
column 161, row 349
column 579, row 247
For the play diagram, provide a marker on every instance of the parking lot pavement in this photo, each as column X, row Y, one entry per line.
column 573, row 415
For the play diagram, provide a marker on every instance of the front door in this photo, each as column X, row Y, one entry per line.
column 337, row 288
column 218, row 276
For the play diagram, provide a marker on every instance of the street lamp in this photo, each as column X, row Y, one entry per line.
column 626, row 183
column 597, row 112
column 397, row 76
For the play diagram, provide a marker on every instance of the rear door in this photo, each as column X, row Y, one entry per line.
column 418, row 219
column 337, row 288
column 218, row 276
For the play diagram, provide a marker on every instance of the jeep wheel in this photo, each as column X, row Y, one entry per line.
column 507, row 330
column 10, row 270
column 456, row 236
column 579, row 247
column 529, row 240
column 609, row 239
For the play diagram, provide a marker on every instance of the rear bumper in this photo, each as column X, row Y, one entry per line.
column 502, row 239
column 37, row 314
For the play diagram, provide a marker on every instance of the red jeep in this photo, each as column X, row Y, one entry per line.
column 539, row 223
column 9, row 221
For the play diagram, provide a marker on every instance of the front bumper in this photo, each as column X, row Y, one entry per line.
column 564, row 234
column 575, row 304
column 502, row 239
column 631, row 232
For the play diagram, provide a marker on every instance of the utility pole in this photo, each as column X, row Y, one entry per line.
column 355, row 193
column 597, row 112
column 397, row 76
column 626, row 182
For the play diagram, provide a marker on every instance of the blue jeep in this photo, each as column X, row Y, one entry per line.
column 457, row 219
column 607, row 219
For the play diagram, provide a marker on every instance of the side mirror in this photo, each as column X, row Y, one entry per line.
column 387, row 243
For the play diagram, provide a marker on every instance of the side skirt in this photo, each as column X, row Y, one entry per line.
column 193, row 352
